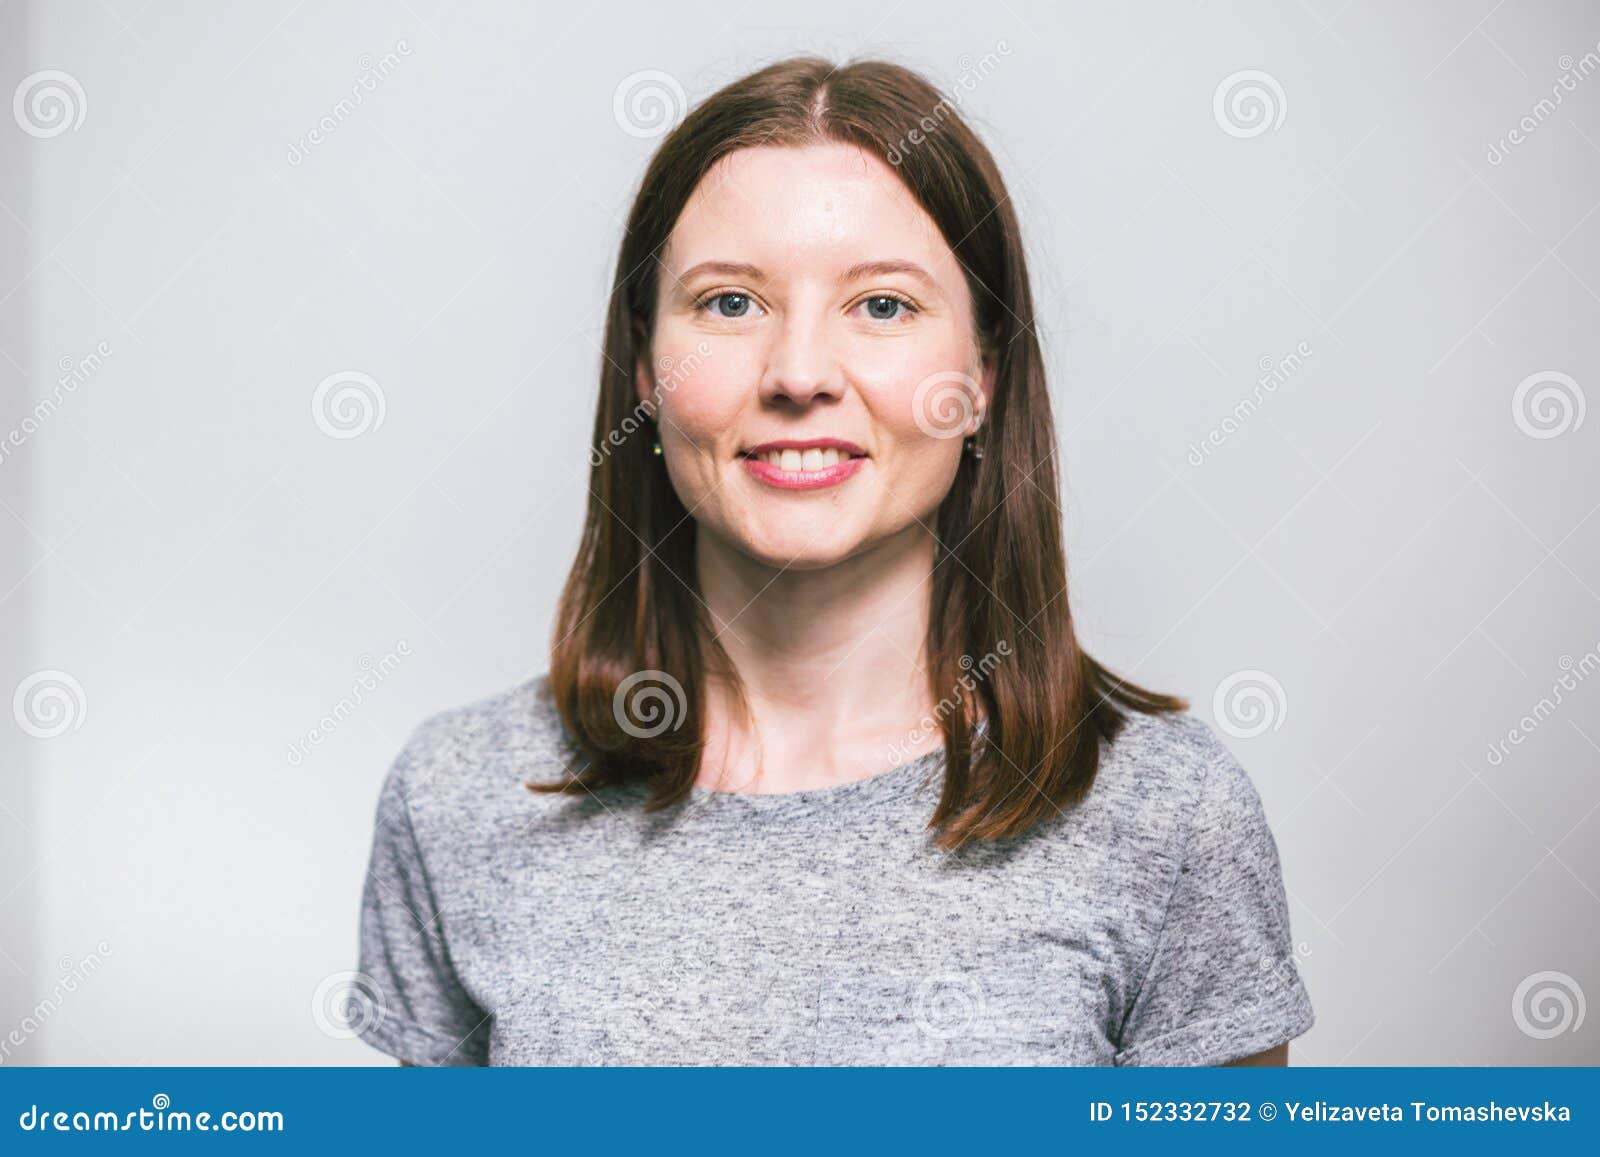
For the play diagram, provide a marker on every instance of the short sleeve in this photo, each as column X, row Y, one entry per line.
column 418, row 1010
column 1223, row 982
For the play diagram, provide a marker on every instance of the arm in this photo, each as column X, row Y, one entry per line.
column 422, row 1009
column 1273, row 1056
column 1222, row 987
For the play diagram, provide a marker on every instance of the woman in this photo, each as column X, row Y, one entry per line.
column 820, row 772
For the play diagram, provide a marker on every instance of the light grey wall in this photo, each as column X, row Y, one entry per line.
column 18, row 849
column 1387, row 552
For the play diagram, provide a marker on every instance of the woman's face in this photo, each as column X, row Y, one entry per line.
column 804, row 296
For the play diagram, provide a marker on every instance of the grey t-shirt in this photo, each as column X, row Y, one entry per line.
column 1145, row 926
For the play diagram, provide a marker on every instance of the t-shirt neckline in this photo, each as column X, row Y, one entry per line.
column 879, row 784
column 896, row 781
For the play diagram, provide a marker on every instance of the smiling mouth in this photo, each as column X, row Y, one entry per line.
column 795, row 461
column 811, row 468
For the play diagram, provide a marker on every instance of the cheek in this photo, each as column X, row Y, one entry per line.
column 704, row 411
column 920, row 413
column 702, row 389
column 923, row 466
column 930, row 399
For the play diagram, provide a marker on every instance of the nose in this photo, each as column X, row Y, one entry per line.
column 802, row 363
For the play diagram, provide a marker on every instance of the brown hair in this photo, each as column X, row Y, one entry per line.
column 629, row 610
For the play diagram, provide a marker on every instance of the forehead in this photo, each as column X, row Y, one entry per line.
column 787, row 209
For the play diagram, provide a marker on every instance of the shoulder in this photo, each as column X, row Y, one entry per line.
column 1166, row 776
column 1161, row 757
column 480, row 749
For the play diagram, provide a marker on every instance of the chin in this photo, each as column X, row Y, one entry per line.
column 800, row 549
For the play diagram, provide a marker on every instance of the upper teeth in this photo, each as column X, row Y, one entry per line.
column 795, row 460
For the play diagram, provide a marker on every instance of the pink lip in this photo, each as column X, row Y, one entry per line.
column 800, row 479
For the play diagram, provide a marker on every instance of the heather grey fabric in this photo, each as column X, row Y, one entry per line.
column 1148, row 925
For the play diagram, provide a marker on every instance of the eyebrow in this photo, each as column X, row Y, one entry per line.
column 854, row 273
column 884, row 268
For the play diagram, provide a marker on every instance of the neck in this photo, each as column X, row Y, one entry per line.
column 831, row 661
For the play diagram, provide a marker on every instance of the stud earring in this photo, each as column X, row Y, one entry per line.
column 658, row 448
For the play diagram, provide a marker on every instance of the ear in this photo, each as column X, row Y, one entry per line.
column 644, row 378
column 986, row 381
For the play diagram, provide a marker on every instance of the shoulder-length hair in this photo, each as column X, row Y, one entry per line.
column 1023, row 733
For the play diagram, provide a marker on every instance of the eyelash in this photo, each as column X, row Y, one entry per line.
column 704, row 304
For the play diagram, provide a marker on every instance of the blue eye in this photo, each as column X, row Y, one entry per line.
column 738, row 305
column 733, row 305
column 882, row 306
